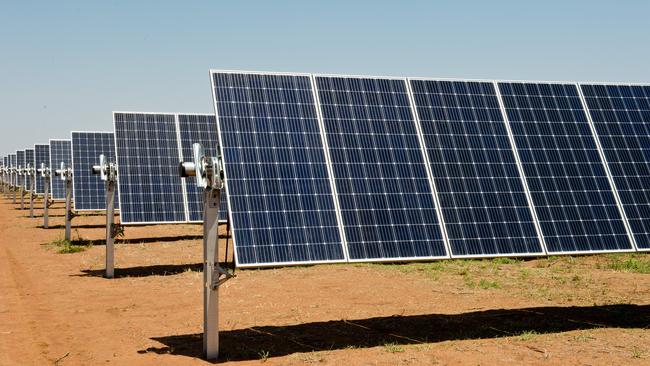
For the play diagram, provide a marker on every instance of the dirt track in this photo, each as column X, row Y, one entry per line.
column 58, row 309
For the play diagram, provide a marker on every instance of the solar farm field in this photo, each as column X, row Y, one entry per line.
column 57, row 309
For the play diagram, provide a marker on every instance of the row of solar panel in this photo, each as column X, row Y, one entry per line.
column 150, row 186
column 335, row 168
column 350, row 168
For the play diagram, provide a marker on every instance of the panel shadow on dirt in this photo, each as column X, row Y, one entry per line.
column 247, row 344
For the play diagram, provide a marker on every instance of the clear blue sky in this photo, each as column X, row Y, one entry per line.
column 65, row 65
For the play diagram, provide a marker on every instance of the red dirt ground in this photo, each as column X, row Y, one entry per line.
column 58, row 309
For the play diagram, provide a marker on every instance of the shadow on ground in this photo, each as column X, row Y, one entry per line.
column 249, row 343
column 145, row 271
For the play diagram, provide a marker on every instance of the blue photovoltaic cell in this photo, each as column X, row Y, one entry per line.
column 571, row 193
column 280, row 195
column 41, row 155
column 199, row 128
column 481, row 193
column 20, row 163
column 621, row 116
column 384, row 192
column 60, row 151
column 89, row 189
column 150, row 188
column 29, row 160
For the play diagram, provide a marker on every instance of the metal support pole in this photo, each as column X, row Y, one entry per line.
column 32, row 186
column 14, row 188
column 68, row 207
column 46, row 202
column 22, row 195
column 211, row 205
column 110, row 218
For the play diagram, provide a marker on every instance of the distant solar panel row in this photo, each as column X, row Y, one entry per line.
column 89, row 190
column 149, row 148
column 335, row 168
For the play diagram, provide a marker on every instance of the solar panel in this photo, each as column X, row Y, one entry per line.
column 12, row 164
column 20, row 163
column 5, row 163
column 570, row 190
column 29, row 159
column 484, row 204
column 41, row 155
column 385, row 195
column 621, row 118
column 282, row 209
column 148, row 155
column 60, row 151
column 199, row 128
column 89, row 190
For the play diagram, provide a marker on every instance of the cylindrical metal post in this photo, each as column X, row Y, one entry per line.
column 32, row 184
column 46, row 202
column 22, row 195
column 211, row 202
column 68, row 207
column 110, row 240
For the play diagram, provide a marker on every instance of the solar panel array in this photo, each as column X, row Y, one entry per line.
column 29, row 160
column 89, row 190
column 426, row 168
column 41, row 155
column 621, row 118
column 329, row 168
column 60, row 151
column 198, row 128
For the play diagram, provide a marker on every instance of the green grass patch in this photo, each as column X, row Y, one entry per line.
column 505, row 260
column 393, row 348
column 528, row 335
column 633, row 263
column 487, row 284
column 263, row 355
column 63, row 246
